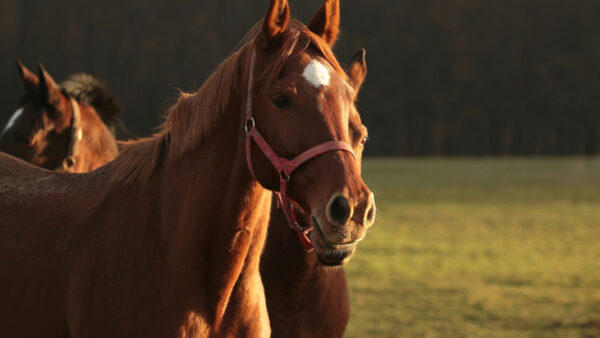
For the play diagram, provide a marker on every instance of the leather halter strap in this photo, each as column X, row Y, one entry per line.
column 76, row 135
column 283, row 166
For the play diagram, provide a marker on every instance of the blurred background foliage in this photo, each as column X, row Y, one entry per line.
column 468, row 77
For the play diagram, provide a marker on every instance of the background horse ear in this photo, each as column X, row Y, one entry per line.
column 357, row 69
column 50, row 90
column 29, row 79
column 275, row 22
column 326, row 22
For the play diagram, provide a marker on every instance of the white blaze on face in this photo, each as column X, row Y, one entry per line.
column 316, row 74
column 13, row 119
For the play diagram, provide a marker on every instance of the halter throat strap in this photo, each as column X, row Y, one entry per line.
column 283, row 166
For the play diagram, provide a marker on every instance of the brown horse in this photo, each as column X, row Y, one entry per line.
column 304, row 298
column 165, row 240
column 62, row 128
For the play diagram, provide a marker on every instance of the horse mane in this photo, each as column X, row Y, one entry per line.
column 188, row 121
column 89, row 90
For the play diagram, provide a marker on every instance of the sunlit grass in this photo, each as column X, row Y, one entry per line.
column 480, row 248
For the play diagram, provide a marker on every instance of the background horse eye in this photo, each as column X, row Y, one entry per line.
column 21, row 139
column 282, row 102
column 364, row 140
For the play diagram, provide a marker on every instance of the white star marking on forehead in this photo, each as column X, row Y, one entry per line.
column 316, row 74
column 13, row 119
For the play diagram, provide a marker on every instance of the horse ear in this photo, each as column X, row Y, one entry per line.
column 326, row 22
column 29, row 79
column 357, row 69
column 276, row 21
column 50, row 90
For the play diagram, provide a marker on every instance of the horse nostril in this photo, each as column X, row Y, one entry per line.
column 339, row 210
column 370, row 215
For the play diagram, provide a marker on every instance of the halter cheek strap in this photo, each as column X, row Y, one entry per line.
column 76, row 135
column 283, row 166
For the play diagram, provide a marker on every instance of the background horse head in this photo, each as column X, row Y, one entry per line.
column 62, row 127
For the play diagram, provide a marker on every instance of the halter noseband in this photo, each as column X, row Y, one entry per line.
column 283, row 166
column 76, row 133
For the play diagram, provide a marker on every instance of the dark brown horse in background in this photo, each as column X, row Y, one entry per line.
column 165, row 240
column 304, row 298
column 64, row 127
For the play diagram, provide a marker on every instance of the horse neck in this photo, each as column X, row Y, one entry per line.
column 98, row 145
column 296, row 283
column 219, row 209
column 284, row 257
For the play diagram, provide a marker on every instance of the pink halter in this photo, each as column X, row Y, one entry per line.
column 283, row 166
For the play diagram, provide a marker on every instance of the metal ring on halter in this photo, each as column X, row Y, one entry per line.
column 283, row 176
column 69, row 162
column 250, row 119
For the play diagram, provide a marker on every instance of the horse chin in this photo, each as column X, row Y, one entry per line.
column 328, row 255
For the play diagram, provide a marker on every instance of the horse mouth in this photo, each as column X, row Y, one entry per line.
column 327, row 253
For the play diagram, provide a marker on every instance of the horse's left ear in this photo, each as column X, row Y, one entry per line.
column 357, row 69
column 326, row 22
column 50, row 90
column 29, row 79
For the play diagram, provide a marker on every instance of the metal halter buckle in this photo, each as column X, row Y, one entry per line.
column 251, row 126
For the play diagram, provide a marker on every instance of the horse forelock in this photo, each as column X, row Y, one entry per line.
column 194, row 114
column 298, row 38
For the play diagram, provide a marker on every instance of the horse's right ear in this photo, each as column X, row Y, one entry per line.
column 275, row 22
column 357, row 69
column 29, row 79
column 50, row 90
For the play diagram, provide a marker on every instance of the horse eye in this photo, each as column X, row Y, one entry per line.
column 364, row 140
column 282, row 102
column 21, row 139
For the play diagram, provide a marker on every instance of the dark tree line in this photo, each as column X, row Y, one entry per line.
column 469, row 77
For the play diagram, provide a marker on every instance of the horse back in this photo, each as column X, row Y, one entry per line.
column 32, row 249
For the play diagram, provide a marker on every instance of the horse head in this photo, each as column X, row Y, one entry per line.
column 300, row 101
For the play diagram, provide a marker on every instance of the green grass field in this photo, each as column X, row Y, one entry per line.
column 479, row 248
